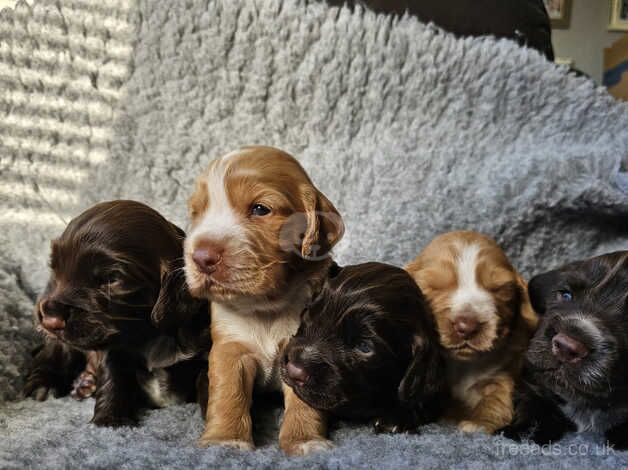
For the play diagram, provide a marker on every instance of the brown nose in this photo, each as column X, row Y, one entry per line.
column 206, row 257
column 297, row 373
column 568, row 349
column 50, row 322
column 465, row 327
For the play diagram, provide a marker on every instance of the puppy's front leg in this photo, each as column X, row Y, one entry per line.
column 232, row 370
column 118, row 394
column 304, row 429
column 495, row 408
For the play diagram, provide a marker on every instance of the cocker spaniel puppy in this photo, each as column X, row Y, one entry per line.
column 484, row 319
column 116, row 317
column 258, row 249
column 367, row 349
column 575, row 376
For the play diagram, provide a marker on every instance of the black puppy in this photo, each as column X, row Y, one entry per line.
column 575, row 376
column 117, row 296
column 367, row 349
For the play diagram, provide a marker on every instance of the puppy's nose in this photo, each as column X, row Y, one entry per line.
column 568, row 349
column 206, row 257
column 297, row 373
column 50, row 321
column 465, row 327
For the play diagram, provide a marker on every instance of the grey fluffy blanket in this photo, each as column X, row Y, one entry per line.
column 409, row 131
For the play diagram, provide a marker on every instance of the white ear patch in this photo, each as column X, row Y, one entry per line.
column 469, row 297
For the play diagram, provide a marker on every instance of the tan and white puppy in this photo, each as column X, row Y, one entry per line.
column 259, row 249
column 485, row 321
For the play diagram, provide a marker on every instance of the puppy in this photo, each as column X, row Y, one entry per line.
column 117, row 297
column 484, row 319
column 367, row 349
column 574, row 377
column 258, row 249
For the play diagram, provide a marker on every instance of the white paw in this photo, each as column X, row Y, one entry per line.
column 308, row 447
column 233, row 443
column 470, row 426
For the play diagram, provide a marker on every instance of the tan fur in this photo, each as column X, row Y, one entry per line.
column 232, row 370
column 481, row 370
column 303, row 428
column 267, row 274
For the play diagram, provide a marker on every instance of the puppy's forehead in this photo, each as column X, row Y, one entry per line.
column 265, row 163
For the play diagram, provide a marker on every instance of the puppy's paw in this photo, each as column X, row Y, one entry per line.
column 516, row 433
column 207, row 440
column 113, row 421
column 472, row 426
column 300, row 448
column 84, row 386
column 387, row 426
column 41, row 386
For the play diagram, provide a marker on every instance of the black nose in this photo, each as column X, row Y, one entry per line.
column 206, row 257
column 568, row 349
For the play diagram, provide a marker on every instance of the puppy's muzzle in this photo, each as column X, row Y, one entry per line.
column 567, row 349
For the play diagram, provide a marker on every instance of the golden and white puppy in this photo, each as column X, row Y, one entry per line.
column 484, row 319
column 259, row 249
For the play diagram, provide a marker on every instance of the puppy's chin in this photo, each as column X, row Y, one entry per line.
column 318, row 398
column 472, row 349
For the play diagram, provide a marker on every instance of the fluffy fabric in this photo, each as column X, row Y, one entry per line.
column 409, row 131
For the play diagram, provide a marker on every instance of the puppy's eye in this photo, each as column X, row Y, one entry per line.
column 260, row 210
column 364, row 347
column 564, row 295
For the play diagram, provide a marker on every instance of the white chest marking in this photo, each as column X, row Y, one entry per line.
column 262, row 332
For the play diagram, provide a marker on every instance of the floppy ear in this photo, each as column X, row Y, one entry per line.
column 175, row 305
column 540, row 288
column 424, row 381
column 527, row 312
column 324, row 224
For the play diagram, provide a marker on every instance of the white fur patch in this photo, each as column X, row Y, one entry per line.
column 469, row 296
column 262, row 332
column 220, row 221
column 308, row 447
column 156, row 387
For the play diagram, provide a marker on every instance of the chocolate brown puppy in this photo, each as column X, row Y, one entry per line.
column 367, row 348
column 116, row 316
column 575, row 376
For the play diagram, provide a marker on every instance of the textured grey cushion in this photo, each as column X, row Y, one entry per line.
column 409, row 131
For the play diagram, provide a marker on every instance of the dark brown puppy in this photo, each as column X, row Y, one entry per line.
column 575, row 376
column 367, row 348
column 117, row 296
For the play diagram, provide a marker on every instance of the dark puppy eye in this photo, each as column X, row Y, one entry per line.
column 564, row 295
column 260, row 210
column 364, row 347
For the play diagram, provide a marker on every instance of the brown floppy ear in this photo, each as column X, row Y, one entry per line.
column 175, row 305
column 325, row 226
column 528, row 314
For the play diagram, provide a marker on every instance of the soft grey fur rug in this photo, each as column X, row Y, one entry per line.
column 409, row 131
